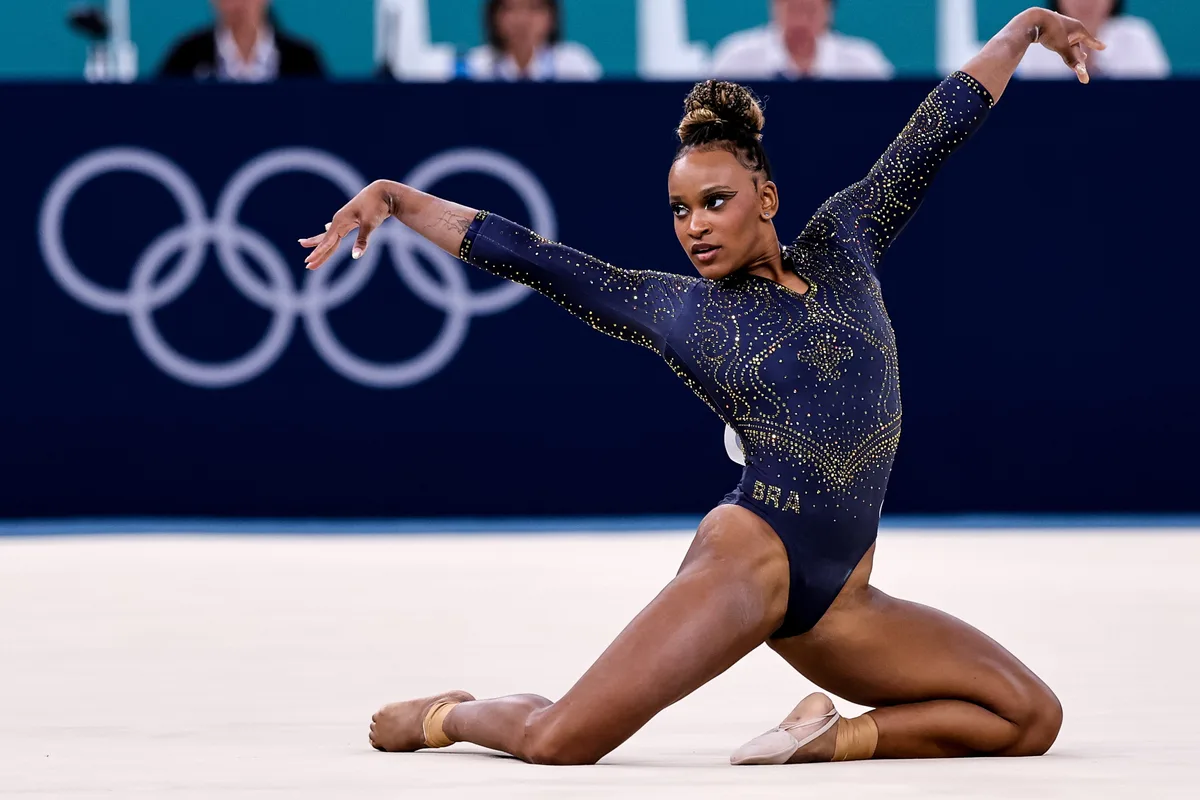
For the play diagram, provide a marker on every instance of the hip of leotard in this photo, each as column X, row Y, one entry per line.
column 825, row 533
column 814, row 519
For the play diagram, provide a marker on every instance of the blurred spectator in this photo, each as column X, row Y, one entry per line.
column 799, row 43
column 246, row 45
column 1134, row 49
column 525, row 43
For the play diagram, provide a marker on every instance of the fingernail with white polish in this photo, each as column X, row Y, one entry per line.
column 356, row 253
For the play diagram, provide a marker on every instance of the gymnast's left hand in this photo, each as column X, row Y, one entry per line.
column 1068, row 38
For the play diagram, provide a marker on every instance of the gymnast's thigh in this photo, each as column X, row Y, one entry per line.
column 876, row 650
column 727, row 598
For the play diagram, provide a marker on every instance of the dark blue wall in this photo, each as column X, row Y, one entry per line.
column 1044, row 301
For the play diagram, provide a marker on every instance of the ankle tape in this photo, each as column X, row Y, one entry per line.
column 432, row 726
column 856, row 739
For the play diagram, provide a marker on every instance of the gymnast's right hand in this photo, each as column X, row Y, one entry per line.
column 369, row 209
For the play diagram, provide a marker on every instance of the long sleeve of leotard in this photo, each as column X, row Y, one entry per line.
column 866, row 217
column 638, row 306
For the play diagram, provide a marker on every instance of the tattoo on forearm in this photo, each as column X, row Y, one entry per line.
column 453, row 222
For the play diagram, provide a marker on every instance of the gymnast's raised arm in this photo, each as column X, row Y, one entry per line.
column 638, row 306
column 866, row 217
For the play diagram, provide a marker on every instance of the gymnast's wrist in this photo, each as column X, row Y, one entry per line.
column 1030, row 24
column 393, row 194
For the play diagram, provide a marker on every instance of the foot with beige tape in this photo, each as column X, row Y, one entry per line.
column 414, row 724
column 814, row 731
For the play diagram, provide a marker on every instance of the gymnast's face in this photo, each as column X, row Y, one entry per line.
column 723, row 212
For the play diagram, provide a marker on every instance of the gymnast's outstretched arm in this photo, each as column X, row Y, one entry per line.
column 866, row 217
column 638, row 306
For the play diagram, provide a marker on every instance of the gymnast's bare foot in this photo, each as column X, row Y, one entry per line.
column 808, row 734
column 400, row 727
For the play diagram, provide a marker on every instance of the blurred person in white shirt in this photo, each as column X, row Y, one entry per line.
column 525, row 43
column 799, row 43
column 1134, row 49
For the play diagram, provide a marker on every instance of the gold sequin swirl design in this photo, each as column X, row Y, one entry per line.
column 838, row 254
column 809, row 381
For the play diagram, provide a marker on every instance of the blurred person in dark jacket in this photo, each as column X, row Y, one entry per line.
column 245, row 46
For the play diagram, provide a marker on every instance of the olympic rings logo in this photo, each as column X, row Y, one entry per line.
column 149, row 290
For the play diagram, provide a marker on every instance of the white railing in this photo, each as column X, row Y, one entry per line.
column 404, row 43
column 957, row 34
column 113, row 60
column 664, row 49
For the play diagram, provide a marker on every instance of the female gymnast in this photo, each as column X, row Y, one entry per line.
column 793, row 348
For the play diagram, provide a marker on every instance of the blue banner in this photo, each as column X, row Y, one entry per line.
column 166, row 353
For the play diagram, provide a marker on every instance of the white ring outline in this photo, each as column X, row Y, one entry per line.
column 321, row 292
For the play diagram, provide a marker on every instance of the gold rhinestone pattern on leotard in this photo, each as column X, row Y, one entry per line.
column 632, row 305
column 809, row 381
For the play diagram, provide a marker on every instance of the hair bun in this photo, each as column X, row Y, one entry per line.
column 721, row 101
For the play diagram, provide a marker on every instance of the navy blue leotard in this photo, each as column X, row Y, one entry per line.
column 809, row 381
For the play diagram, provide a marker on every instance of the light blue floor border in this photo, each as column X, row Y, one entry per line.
column 222, row 526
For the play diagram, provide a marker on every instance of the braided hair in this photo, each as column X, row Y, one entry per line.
column 719, row 115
